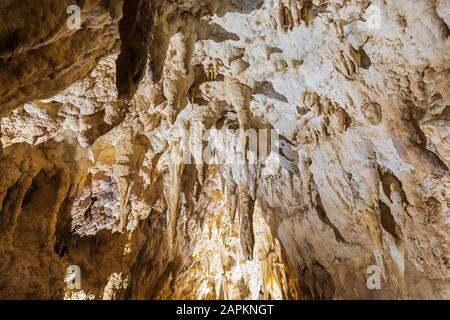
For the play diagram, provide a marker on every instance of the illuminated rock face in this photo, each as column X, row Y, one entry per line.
column 353, row 202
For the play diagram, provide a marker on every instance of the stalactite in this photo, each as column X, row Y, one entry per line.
column 239, row 95
column 125, row 187
column 176, row 174
column 230, row 191
column 65, row 181
column 287, row 14
column 232, row 199
column 246, row 209
column 23, row 186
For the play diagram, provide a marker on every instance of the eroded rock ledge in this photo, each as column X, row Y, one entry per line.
column 92, row 171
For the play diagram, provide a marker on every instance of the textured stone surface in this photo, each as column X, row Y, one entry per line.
column 360, row 179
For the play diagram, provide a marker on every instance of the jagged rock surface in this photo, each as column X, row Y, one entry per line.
column 360, row 177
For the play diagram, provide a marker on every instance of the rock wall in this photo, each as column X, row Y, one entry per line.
column 96, row 124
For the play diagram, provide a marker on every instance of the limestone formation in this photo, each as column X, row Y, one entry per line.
column 225, row 149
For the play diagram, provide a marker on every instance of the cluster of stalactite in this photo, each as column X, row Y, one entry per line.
column 96, row 123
